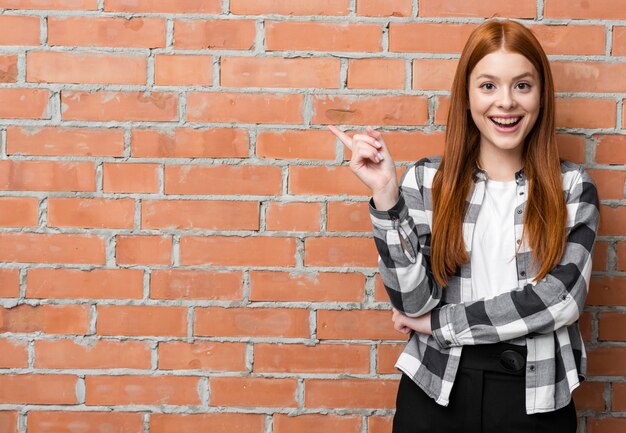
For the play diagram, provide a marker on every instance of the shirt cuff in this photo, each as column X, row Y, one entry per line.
column 441, row 324
column 388, row 220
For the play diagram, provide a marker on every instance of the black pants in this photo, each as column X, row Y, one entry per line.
column 487, row 397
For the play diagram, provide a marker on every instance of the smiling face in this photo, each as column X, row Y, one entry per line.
column 504, row 99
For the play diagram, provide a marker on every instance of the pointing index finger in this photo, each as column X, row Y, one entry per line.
column 342, row 136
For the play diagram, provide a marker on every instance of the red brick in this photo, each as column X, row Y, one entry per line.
column 136, row 320
column 47, row 176
column 379, row 424
column 214, row 34
column 92, row 31
column 585, row 113
column 8, row 421
column 321, row 358
column 190, row 143
column 38, row 389
column 9, row 283
column 619, row 397
column 195, row 284
column 24, row 30
column 24, row 103
column 59, row 283
column 101, row 354
column 91, row 212
column 610, row 183
column 14, row 355
column 605, row 425
column 279, row 72
column 8, row 68
column 89, row 422
column 442, row 105
column 387, row 357
column 384, row 8
column 121, row 106
column 19, row 212
column 225, row 107
column 611, row 149
column 143, row 250
column 223, row 179
column 428, row 37
column 50, row 4
column 477, row 8
column 293, row 216
column 206, row 422
column 296, row 144
column 607, row 290
column 237, row 251
column 37, row 248
column 612, row 326
column 199, row 214
column 376, row 73
column 589, row 396
column 598, row 77
column 307, row 287
column 356, row 324
column 433, row 74
column 49, row 319
column 183, row 70
column 85, row 68
column 313, row 423
column 322, row 36
column 350, row 393
column 325, row 180
column 621, row 256
column 252, row 322
column 129, row 178
column 348, row 217
column 164, row 6
column 619, row 41
column 137, row 390
column 202, row 355
column 290, row 7
column 612, row 221
column 571, row 39
column 585, row 323
column 340, row 251
column 607, row 361
column 582, row 9
column 252, row 392
column 367, row 110
column 571, row 147
column 63, row 141
column 600, row 256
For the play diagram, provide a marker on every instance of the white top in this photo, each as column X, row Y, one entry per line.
column 493, row 246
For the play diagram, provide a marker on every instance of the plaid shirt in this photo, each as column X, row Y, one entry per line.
column 542, row 314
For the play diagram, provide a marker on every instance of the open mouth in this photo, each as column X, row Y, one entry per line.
column 506, row 122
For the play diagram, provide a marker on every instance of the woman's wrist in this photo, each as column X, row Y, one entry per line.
column 386, row 198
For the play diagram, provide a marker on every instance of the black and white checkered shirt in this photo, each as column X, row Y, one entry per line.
column 542, row 314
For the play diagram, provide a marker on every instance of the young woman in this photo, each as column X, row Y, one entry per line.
column 486, row 252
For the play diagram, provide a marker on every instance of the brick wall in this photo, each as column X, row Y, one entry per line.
column 182, row 245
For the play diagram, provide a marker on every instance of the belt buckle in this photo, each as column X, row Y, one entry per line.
column 512, row 361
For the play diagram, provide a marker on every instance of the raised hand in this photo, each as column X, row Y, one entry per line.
column 372, row 164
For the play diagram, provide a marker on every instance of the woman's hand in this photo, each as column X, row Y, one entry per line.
column 405, row 324
column 373, row 165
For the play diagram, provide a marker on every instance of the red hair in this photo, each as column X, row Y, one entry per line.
column 546, row 215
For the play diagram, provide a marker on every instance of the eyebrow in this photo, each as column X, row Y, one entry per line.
column 491, row 77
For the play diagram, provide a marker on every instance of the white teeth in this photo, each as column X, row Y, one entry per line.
column 506, row 120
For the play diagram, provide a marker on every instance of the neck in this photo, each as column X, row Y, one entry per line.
column 500, row 164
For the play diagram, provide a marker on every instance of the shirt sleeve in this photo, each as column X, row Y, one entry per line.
column 551, row 303
column 403, row 264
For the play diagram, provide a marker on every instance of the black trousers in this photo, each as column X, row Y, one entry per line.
column 488, row 396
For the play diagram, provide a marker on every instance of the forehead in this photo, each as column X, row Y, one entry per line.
column 503, row 64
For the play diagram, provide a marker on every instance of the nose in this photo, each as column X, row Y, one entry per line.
column 506, row 100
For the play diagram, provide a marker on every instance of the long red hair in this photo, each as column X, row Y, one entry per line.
column 546, row 215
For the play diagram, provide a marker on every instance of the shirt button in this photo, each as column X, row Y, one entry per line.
column 519, row 211
column 518, row 241
column 448, row 342
column 531, row 368
column 523, row 273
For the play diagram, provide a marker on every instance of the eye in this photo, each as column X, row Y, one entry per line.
column 523, row 86
column 487, row 86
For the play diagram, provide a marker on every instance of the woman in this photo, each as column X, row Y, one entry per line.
column 486, row 252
